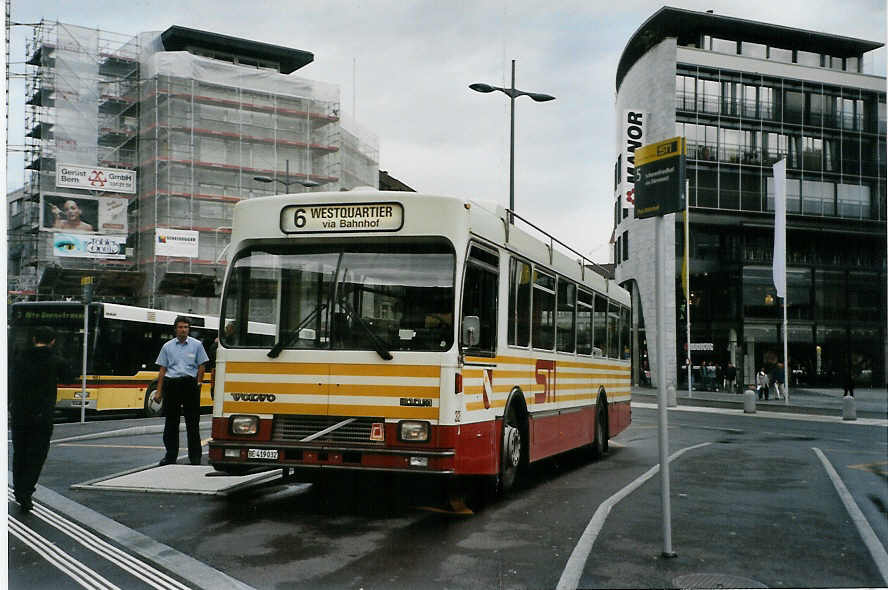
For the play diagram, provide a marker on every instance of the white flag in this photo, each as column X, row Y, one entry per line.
column 779, row 258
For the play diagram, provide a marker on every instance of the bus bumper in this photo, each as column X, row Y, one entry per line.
column 451, row 450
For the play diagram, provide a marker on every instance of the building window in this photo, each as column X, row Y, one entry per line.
column 854, row 201
column 793, row 106
column 684, row 92
column 723, row 45
column 766, row 103
column 753, row 50
column 806, row 58
column 852, row 64
column 626, row 245
column 781, row 55
column 617, row 250
column 708, row 96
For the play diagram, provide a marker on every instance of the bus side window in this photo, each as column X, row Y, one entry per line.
column 566, row 320
column 543, row 311
column 480, row 291
column 519, row 303
column 599, row 329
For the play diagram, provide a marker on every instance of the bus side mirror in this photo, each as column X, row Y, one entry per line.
column 471, row 331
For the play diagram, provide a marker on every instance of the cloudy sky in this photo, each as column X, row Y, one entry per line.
column 404, row 66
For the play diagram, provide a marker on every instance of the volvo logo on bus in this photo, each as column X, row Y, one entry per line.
column 253, row 397
column 341, row 217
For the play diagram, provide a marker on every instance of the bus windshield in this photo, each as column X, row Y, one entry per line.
column 397, row 295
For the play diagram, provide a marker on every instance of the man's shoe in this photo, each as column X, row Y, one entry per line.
column 166, row 461
column 26, row 505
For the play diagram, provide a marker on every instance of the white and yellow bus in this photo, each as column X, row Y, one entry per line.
column 413, row 333
column 123, row 344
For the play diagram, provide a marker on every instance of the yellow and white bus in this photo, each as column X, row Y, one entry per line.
column 123, row 344
column 413, row 333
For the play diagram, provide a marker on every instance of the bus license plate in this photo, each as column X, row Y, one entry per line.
column 262, row 454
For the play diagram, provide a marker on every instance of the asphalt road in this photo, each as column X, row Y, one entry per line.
column 752, row 504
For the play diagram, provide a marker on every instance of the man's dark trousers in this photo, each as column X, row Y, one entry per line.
column 30, row 443
column 181, row 396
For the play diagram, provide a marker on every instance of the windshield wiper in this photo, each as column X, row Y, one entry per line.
column 379, row 344
column 281, row 344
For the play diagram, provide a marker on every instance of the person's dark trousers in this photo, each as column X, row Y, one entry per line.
column 30, row 445
column 181, row 396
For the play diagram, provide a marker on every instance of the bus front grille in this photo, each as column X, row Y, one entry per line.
column 297, row 428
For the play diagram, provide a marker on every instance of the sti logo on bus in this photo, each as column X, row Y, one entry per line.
column 341, row 217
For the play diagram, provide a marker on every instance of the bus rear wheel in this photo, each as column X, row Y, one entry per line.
column 152, row 408
column 599, row 445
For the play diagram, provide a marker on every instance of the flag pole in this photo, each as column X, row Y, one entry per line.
column 686, row 280
column 779, row 261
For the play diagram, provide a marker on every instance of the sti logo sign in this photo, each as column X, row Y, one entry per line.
column 633, row 138
column 660, row 179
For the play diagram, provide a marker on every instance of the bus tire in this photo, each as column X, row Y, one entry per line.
column 599, row 444
column 514, row 447
column 153, row 409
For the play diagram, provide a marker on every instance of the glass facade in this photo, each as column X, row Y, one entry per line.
column 738, row 124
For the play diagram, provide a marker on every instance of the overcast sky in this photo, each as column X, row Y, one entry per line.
column 412, row 61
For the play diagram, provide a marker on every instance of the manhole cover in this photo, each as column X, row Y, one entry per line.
column 715, row 581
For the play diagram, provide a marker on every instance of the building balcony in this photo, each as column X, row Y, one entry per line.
column 115, row 104
column 40, row 131
column 294, row 176
column 116, row 136
column 236, row 104
column 42, row 56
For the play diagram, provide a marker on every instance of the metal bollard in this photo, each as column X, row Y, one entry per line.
column 849, row 408
column 749, row 402
column 671, row 396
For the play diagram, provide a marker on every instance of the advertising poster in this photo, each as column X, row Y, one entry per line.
column 83, row 214
column 88, row 246
column 113, row 180
column 181, row 243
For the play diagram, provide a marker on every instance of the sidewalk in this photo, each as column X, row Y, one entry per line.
column 869, row 402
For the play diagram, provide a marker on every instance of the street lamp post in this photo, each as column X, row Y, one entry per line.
column 512, row 93
column 307, row 182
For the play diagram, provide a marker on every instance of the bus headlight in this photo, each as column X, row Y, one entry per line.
column 413, row 431
column 244, row 424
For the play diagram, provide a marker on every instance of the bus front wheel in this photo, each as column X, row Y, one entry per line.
column 152, row 408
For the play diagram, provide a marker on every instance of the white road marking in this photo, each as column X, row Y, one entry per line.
column 573, row 570
column 141, row 570
column 69, row 566
column 876, row 549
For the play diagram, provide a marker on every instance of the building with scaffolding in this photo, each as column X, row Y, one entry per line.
column 203, row 120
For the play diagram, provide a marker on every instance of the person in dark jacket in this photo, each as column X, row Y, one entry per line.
column 34, row 378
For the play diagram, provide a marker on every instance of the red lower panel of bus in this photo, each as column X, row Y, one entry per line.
column 469, row 449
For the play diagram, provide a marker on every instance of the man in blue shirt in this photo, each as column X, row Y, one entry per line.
column 182, row 362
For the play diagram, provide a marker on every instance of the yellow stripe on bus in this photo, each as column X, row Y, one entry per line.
column 330, row 410
column 333, row 369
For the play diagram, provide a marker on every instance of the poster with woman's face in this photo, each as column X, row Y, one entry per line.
column 82, row 214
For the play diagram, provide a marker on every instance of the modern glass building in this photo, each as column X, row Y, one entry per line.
column 198, row 116
column 745, row 95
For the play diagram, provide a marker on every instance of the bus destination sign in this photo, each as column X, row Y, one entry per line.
column 338, row 217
